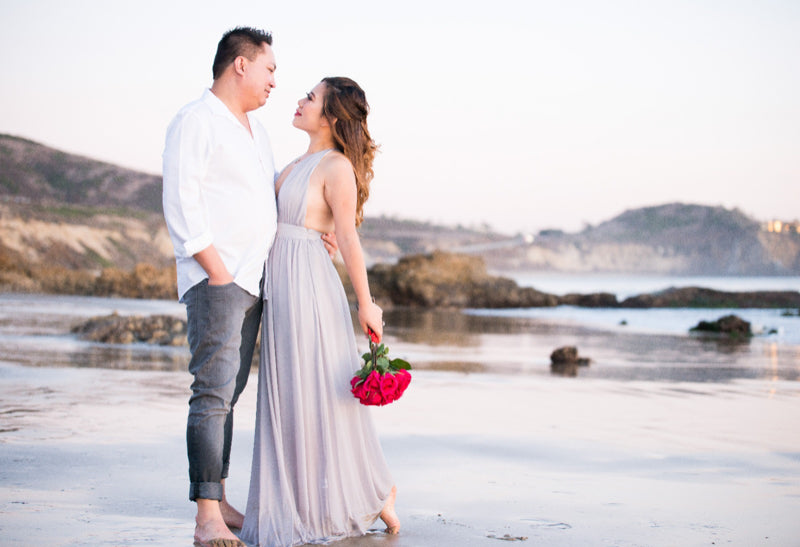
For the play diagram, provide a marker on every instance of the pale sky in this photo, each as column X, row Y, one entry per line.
column 521, row 114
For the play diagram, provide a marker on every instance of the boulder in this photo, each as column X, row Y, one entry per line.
column 565, row 361
column 451, row 281
column 568, row 355
column 730, row 325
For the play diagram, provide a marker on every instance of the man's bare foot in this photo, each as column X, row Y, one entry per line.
column 388, row 515
column 214, row 534
column 232, row 517
column 210, row 526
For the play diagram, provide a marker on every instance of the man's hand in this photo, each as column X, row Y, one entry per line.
column 211, row 262
column 329, row 240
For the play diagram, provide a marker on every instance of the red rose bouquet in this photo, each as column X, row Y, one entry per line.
column 381, row 380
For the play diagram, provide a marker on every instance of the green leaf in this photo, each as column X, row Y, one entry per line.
column 367, row 356
column 401, row 364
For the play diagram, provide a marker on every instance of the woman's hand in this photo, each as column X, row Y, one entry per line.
column 370, row 316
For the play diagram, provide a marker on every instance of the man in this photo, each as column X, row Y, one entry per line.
column 219, row 204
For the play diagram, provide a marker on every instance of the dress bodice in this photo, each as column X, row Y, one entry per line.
column 293, row 193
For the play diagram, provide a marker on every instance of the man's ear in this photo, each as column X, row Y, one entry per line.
column 240, row 64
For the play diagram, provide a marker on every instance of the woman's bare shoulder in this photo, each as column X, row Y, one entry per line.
column 336, row 163
column 336, row 167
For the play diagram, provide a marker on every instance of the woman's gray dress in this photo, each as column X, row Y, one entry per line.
column 318, row 471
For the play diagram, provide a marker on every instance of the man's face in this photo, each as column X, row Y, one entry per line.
column 259, row 78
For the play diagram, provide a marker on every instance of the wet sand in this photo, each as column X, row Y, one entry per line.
column 96, row 457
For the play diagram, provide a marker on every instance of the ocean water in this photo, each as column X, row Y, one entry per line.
column 767, row 325
column 623, row 344
column 771, row 325
column 624, row 286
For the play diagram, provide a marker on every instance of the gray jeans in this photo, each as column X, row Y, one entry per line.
column 223, row 323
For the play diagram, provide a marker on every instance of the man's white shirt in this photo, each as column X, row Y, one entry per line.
column 219, row 188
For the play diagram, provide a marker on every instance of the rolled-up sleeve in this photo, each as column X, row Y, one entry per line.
column 185, row 161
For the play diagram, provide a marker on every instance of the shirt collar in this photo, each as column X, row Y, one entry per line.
column 221, row 109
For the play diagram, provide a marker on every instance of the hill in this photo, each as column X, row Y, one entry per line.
column 68, row 211
column 34, row 173
column 675, row 238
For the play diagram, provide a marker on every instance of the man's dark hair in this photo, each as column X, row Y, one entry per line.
column 245, row 41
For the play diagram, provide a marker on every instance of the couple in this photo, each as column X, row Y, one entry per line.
column 318, row 472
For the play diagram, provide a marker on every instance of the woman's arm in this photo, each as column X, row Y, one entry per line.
column 339, row 190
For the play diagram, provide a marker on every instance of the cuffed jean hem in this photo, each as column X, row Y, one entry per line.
column 205, row 491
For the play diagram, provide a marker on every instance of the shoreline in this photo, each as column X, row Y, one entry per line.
column 97, row 457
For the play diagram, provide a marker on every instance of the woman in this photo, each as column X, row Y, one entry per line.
column 318, row 470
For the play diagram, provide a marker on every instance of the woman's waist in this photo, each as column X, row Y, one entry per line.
column 295, row 231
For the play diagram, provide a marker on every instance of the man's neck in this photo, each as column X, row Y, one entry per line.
column 229, row 98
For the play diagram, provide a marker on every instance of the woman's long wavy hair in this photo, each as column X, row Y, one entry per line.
column 345, row 106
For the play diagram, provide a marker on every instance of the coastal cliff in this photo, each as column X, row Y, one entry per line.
column 63, row 215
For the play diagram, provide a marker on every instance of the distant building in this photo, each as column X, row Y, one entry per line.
column 780, row 227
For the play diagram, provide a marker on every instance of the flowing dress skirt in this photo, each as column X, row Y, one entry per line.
column 318, row 471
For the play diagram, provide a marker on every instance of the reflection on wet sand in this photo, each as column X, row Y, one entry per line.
column 35, row 331
column 133, row 357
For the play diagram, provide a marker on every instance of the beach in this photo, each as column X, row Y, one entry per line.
column 97, row 457
column 665, row 439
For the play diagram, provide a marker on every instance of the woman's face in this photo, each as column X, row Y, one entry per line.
column 308, row 115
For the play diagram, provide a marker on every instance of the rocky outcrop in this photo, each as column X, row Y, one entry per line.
column 163, row 330
column 83, row 238
column 451, row 281
column 461, row 281
column 142, row 281
column 698, row 297
column 592, row 300
column 729, row 325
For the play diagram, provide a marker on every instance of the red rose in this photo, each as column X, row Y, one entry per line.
column 356, row 379
column 388, row 387
column 373, row 381
column 373, row 336
column 403, row 379
column 359, row 390
column 372, row 398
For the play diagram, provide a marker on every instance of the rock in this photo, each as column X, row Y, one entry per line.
column 565, row 361
column 451, row 281
column 163, row 330
column 730, row 325
column 698, row 297
column 568, row 355
column 592, row 300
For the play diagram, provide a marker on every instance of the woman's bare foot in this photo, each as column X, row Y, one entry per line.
column 388, row 515
column 232, row 517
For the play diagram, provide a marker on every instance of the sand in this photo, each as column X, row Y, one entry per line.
column 97, row 457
